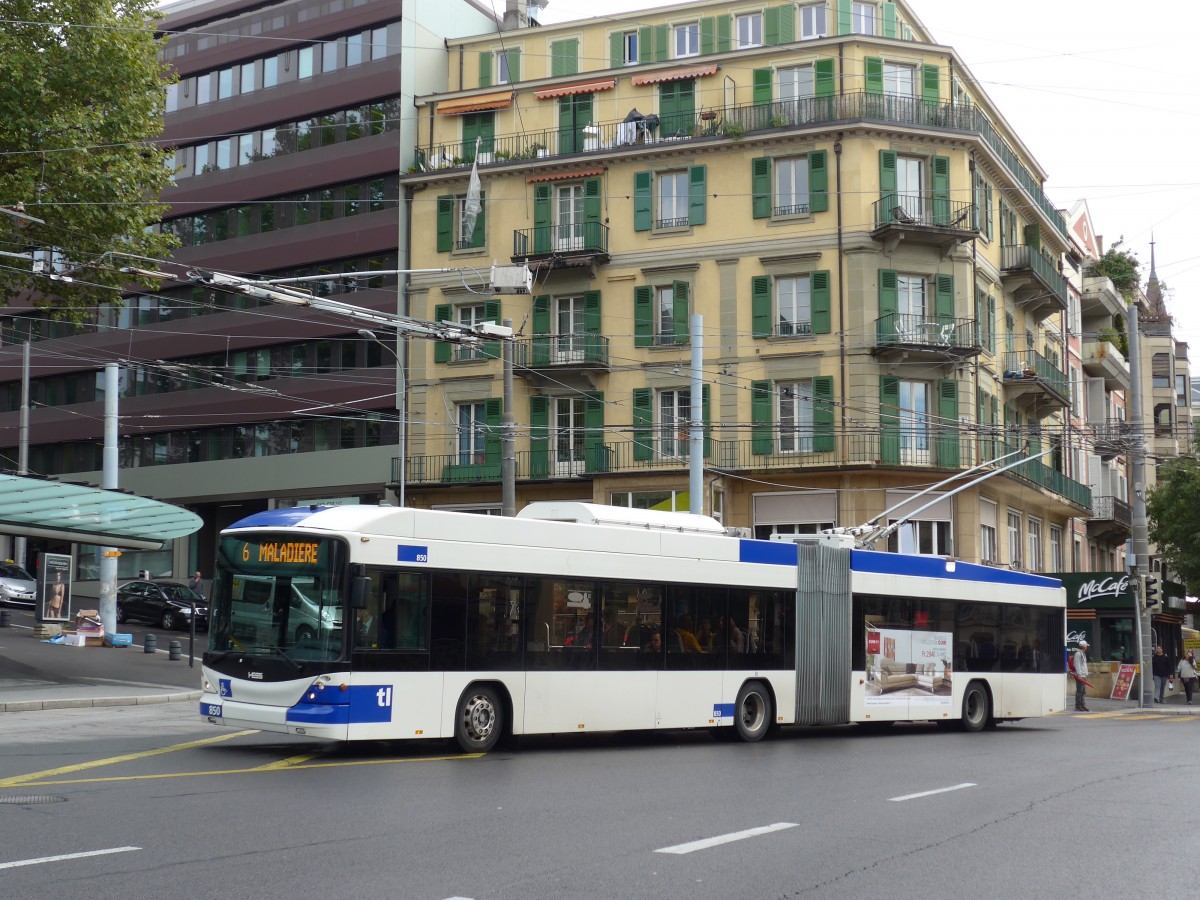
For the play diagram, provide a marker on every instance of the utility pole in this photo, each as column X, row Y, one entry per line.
column 696, row 427
column 19, row 543
column 111, row 460
column 1141, row 529
column 508, row 436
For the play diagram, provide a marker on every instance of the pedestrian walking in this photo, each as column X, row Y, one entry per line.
column 1080, row 671
column 196, row 582
column 1161, row 667
column 1186, row 670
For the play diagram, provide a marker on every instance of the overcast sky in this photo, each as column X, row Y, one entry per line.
column 1099, row 94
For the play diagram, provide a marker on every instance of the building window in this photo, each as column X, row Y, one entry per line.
column 672, row 200
column 670, row 501
column 570, row 231
column 812, row 21
column 913, row 416
column 749, row 31
column 629, row 42
column 465, row 239
column 1056, row 548
column 795, row 416
column 989, row 550
column 502, row 68
column 1035, row 545
column 928, row 538
column 304, row 65
column 1014, row 539
column 664, row 319
column 568, row 438
column 472, row 432
column 248, row 75
column 796, row 85
column 864, row 18
column 687, row 40
column 468, row 316
column 674, row 418
column 793, row 305
column 791, row 187
column 1181, row 391
column 225, row 84
column 571, row 338
column 898, row 80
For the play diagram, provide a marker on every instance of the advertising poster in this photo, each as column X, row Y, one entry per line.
column 908, row 669
column 54, row 583
column 1123, row 683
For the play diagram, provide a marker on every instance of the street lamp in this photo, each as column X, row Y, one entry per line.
column 401, row 395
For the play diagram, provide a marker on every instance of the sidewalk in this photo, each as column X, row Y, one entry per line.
column 36, row 675
column 1174, row 706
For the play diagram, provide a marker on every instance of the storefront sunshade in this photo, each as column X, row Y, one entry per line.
column 460, row 105
column 586, row 87
column 674, row 75
column 36, row 507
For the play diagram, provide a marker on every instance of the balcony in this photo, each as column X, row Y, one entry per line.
column 1034, row 281
column 1100, row 297
column 1112, row 439
column 925, row 338
column 1111, row 521
column 1033, row 383
column 579, row 243
column 1102, row 359
column 528, row 149
column 923, row 219
column 571, row 359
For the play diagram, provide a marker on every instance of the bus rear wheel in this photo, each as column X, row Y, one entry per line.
column 480, row 720
column 976, row 707
column 752, row 713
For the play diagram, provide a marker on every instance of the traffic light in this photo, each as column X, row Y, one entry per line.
column 1150, row 591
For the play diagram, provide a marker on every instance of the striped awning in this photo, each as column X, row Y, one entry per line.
column 566, row 176
column 674, row 74
column 460, row 105
column 583, row 87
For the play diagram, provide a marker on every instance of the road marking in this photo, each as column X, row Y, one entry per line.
column 945, row 790
column 1134, row 718
column 64, row 856
column 292, row 761
column 680, row 849
column 113, row 760
column 270, row 767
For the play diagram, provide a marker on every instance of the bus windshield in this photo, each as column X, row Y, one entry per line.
column 278, row 596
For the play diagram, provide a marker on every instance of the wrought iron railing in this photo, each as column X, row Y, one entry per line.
column 548, row 351
column 924, row 210
column 1106, row 508
column 1026, row 257
column 906, row 330
column 546, row 240
column 1029, row 364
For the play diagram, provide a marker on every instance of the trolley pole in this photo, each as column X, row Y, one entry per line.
column 508, row 436
column 1141, row 529
column 696, row 426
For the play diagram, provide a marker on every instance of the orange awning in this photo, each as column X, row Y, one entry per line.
column 566, row 176
column 460, row 105
column 674, row 75
column 585, row 87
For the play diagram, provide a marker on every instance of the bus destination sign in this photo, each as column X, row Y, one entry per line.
column 303, row 553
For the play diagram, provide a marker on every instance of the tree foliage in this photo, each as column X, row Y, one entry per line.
column 81, row 102
column 1173, row 508
column 1121, row 268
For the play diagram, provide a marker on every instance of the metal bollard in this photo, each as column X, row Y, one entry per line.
column 149, row 643
column 174, row 650
column 5, row 618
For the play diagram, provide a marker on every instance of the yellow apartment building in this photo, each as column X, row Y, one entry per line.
column 864, row 237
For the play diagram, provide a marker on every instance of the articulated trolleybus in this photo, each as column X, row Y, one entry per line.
column 376, row 622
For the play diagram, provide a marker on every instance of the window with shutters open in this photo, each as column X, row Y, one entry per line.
column 749, row 31
column 687, row 40
column 813, row 21
column 796, row 186
column 864, row 16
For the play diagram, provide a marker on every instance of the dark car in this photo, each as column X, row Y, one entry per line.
column 165, row 603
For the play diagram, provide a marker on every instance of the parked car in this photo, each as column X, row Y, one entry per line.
column 16, row 585
column 165, row 603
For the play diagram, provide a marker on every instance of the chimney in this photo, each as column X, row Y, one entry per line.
column 522, row 13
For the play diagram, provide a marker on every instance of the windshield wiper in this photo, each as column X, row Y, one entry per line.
column 295, row 665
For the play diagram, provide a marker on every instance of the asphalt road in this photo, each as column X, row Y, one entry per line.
column 1064, row 806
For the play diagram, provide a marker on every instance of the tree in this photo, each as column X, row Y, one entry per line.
column 1173, row 508
column 1120, row 267
column 82, row 91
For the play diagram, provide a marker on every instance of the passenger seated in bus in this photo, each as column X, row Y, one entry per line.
column 365, row 629
column 653, row 644
column 705, row 636
column 613, row 634
column 585, row 635
column 731, row 636
column 687, row 636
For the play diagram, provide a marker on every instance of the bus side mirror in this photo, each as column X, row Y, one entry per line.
column 360, row 592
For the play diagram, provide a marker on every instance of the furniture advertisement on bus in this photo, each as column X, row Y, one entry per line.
column 907, row 667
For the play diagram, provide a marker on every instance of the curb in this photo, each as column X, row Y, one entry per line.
column 84, row 702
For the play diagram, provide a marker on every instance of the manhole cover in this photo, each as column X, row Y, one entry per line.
column 32, row 799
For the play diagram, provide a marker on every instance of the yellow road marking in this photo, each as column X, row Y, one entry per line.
column 113, row 760
column 271, row 767
column 290, row 761
column 1145, row 716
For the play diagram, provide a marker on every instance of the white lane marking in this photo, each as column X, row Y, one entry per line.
column 726, row 838
column 47, row 859
column 945, row 790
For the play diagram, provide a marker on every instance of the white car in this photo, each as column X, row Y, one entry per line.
column 16, row 585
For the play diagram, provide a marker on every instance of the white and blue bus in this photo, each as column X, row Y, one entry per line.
column 377, row 622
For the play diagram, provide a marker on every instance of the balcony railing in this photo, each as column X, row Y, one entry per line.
column 1106, row 508
column 575, row 239
column 924, row 211
column 903, row 331
column 733, row 123
column 550, row 351
column 1025, row 258
column 1030, row 365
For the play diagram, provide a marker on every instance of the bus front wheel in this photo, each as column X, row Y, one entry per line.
column 480, row 720
column 976, row 707
column 752, row 714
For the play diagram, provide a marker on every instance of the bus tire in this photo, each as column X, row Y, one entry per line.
column 479, row 721
column 752, row 712
column 976, row 707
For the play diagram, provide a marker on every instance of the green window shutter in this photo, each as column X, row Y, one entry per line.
column 480, row 229
column 724, row 34
column 818, row 181
column 787, row 24
column 947, row 441
column 889, row 305
column 771, row 26
column 470, row 130
column 541, row 330
column 821, row 301
column 761, row 306
column 931, row 83
column 823, row 414
column 595, row 451
column 760, row 176
column 887, row 185
column 941, row 190
column 492, row 313
column 592, row 226
column 643, row 419
column 643, row 201
column 873, row 75
column 492, row 410
column 539, row 436
column 485, row 69
column 616, row 49
column 667, row 108
column 980, row 312
column 445, row 223
column 697, row 195
column 646, row 44
column 987, row 212
column 643, row 316
column 594, row 348
column 1003, row 223
column 514, row 65
column 889, row 419
column 824, row 84
column 944, row 298
column 845, row 19
column 680, row 311
column 542, row 209
column 1033, row 236
column 662, row 43
column 564, row 57
column 706, row 417
column 568, row 135
column 889, row 19
column 990, row 332
column 441, row 349
column 762, row 440
column 708, row 35
column 763, row 79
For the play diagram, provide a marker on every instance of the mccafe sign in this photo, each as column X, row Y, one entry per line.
column 1098, row 590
